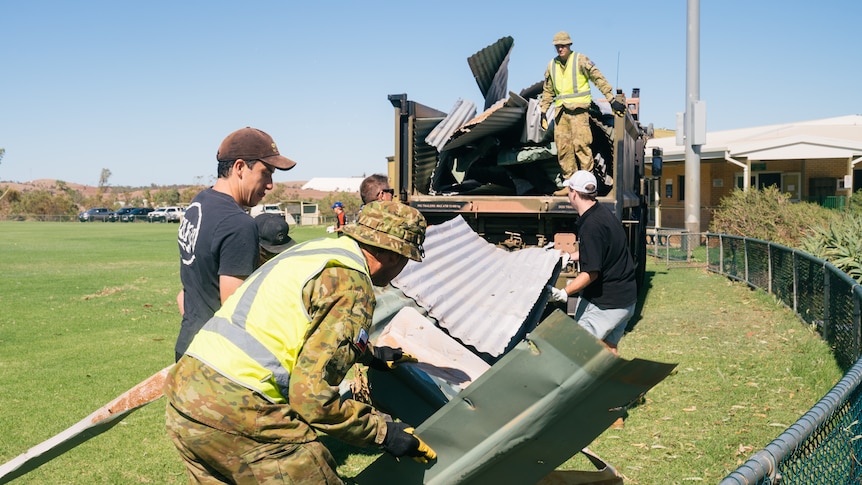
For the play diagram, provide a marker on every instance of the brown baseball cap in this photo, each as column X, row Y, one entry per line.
column 252, row 144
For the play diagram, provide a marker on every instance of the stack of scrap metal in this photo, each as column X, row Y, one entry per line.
column 505, row 149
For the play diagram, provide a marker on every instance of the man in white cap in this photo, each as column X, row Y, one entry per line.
column 607, row 271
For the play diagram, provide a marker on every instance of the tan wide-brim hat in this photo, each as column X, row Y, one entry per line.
column 562, row 38
column 390, row 225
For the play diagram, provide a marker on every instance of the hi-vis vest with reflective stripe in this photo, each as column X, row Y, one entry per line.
column 569, row 83
column 255, row 338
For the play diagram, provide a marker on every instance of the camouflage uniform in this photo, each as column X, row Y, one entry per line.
column 572, row 133
column 226, row 432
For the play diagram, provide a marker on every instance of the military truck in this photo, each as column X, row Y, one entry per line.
column 500, row 179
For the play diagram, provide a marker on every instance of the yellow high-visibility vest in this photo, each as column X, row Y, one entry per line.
column 255, row 337
column 570, row 85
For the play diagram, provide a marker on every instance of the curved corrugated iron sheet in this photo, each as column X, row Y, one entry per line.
column 496, row 119
column 480, row 294
column 460, row 113
column 541, row 403
column 532, row 91
column 487, row 66
column 425, row 156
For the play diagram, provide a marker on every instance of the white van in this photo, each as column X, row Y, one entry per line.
column 266, row 209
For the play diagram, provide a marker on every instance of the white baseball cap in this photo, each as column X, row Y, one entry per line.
column 583, row 182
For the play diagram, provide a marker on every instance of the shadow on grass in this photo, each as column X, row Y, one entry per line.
column 642, row 296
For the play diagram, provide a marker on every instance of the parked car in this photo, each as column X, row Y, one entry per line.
column 136, row 214
column 94, row 214
column 118, row 214
column 166, row 214
column 175, row 214
column 266, row 209
column 157, row 215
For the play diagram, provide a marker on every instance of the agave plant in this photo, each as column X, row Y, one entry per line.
column 840, row 243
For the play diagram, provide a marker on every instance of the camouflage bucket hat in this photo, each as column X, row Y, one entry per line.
column 562, row 38
column 390, row 225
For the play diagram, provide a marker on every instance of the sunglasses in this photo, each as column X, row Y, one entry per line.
column 388, row 191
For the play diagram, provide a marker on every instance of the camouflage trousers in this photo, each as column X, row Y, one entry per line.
column 573, row 137
column 213, row 456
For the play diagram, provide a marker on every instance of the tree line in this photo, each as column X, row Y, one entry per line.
column 62, row 202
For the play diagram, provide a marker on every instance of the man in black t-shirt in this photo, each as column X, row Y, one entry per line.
column 218, row 240
column 607, row 274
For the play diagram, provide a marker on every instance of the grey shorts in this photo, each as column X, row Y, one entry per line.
column 608, row 324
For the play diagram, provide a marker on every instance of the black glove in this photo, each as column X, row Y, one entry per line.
column 618, row 107
column 400, row 441
column 386, row 358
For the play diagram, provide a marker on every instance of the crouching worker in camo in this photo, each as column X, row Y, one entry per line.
column 259, row 382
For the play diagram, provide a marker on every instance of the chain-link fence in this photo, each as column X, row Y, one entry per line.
column 825, row 445
column 676, row 247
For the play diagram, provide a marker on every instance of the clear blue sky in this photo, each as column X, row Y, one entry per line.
column 149, row 89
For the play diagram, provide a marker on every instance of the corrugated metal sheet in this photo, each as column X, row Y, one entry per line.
column 496, row 119
column 549, row 397
column 490, row 67
column 460, row 113
column 425, row 156
column 532, row 91
column 482, row 295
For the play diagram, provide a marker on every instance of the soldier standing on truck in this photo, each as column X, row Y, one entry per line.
column 567, row 87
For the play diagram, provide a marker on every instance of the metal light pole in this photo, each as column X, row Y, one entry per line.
column 695, row 117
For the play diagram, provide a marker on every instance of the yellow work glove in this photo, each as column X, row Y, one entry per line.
column 401, row 441
column 426, row 453
column 387, row 358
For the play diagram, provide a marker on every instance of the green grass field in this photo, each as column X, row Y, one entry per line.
column 88, row 310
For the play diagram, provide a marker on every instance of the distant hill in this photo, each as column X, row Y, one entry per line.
column 290, row 189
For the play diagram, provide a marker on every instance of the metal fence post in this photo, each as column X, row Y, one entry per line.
column 857, row 321
column 769, row 268
column 795, row 264
column 827, row 324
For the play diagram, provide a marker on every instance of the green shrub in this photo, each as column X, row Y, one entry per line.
column 855, row 205
column 769, row 215
column 839, row 242
column 38, row 204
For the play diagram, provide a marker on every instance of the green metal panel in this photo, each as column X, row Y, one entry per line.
column 544, row 401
